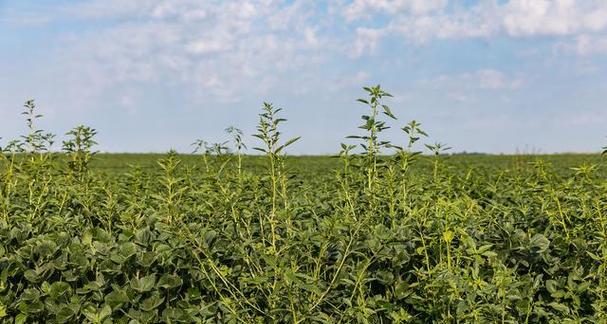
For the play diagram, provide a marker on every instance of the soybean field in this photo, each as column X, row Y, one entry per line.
column 378, row 233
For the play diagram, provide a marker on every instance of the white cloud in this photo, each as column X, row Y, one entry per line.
column 588, row 45
column 103, row 9
column 205, row 46
column 441, row 18
column 469, row 24
column 421, row 21
column 493, row 80
column 364, row 8
column 217, row 48
column 464, row 87
column 486, row 79
column 583, row 45
column 310, row 37
column 554, row 17
column 350, row 81
column 366, row 40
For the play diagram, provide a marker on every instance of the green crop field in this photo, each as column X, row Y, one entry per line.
column 377, row 234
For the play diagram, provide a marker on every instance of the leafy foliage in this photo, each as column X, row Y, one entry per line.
column 79, row 148
column 401, row 238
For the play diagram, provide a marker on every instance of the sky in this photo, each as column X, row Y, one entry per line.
column 494, row 76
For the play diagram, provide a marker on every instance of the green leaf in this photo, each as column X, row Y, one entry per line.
column 65, row 314
column 142, row 316
column 59, row 289
column 485, row 248
column 152, row 302
column 168, row 281
column 258, row 280
column 125, row 251
column 21, row 319
column 583, row 286
column 32, row 276
column 174, row 315
column 90, row 312
column 539, row 243
column 146, row 259
column 551, row 286
column 116, row 298
column 143, row 236
column 97, row 315
column 287, row 143
column 144, row 284
column 448, row 236
column 105, row 312
column 401, row 316
column 594, row 256
column 402, row 290
column 388, row 112
column 559, row 307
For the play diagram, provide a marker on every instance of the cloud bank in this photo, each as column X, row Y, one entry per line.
column 227, row 53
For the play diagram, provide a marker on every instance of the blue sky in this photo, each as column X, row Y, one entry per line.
column 151, row 75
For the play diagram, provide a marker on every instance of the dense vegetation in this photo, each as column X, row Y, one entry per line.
column 362, row 237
